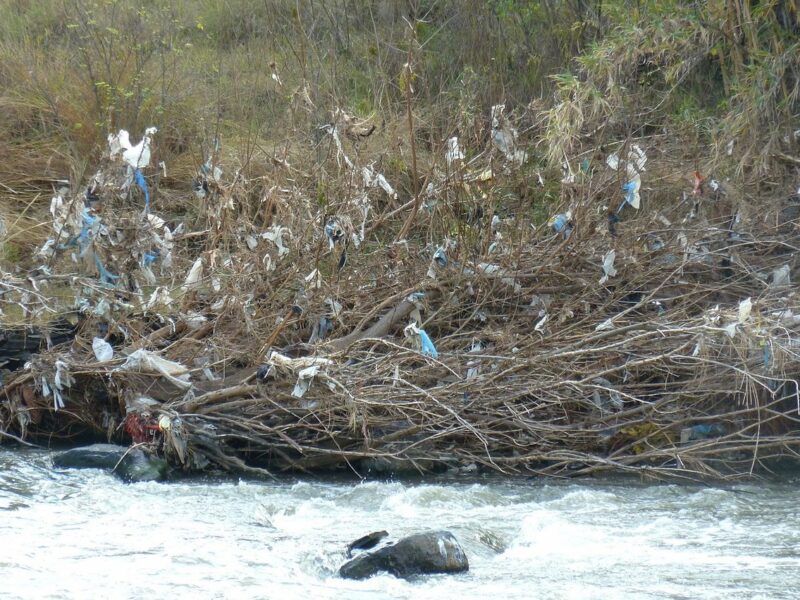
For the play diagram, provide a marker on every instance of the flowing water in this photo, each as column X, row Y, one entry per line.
column 85, row 534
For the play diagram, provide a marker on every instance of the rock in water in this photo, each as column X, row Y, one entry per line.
column 131, row 466
column 420, row 554
column 366, row 542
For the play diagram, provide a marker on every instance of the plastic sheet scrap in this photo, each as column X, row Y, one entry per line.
column 422, row 339
column 275, row 235
column 701, row 432
column 281, row 361
column 106, row 276
column 454, row 153
column 439, row 260
column 637, row 158
column 103, row 351
column 333, row 131
column 306, row 367
column 561, row 223
column 608, row 266
column 136, row 157
column 743, row 314
column 504, row 136
column 142, row 183
column 473, row 366
column 631, row 189
column 145, row 361
column 634, row 166
column 440, row 257
column 745, row 309
column 304, row 379
column 321, row 330
column 374, row 179
column 62, row 380
column 781, row 277
column 194, row 276
column 334, row 232
column 66, row 221
column 497, row 271
column 79, row 229
column 211, row 171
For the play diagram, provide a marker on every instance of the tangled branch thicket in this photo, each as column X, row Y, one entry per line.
column 280, row 315
column 541, row 368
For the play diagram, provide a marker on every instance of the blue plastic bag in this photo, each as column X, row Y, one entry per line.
column 142, row 183
column 427, row 344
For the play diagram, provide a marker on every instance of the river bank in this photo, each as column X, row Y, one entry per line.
column 592, row 275
column 654, row 370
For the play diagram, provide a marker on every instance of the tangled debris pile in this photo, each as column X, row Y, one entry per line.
column 275, row 332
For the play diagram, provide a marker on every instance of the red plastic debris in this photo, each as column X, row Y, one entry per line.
column 141, row 428
column 698, row 184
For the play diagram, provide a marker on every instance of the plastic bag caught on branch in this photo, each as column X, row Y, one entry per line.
column 454, row 153
column 374, row 179
column 145, row 361
column 304, row 379
column 634, row 166
column 608, row 266
column 422, row 340
column 103, row 351
column 504, row 136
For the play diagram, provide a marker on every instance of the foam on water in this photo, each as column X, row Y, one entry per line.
column 84, row 534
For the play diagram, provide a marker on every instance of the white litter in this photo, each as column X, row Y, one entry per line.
column 375, row 179
column 195, row 275
column 473, row 367
column 284, row 362
column 454, row 153
column 634, row 165
column 307, row 367
column 504, row 136
column 63, row 379
column 608, row 266
column 103, row 351
column 136, row 157
column 781, row 277
column 745, row 308
column 304, row 379
column 145, row 361
column 275, row 235
column 605, row 325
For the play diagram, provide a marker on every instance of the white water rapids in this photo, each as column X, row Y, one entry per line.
column 85, row 534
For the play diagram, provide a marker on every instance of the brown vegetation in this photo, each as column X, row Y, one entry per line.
column 659, row 339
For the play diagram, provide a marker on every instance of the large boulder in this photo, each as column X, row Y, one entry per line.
column 130, row 465
column 420, row 554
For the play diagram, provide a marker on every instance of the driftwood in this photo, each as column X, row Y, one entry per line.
column 383, row 326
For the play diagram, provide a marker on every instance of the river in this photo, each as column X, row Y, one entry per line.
column 85, row 534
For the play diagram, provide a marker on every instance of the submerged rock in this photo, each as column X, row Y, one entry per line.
column 366, row 542
column 395, row 467
column 420, row 554
column 130, row 465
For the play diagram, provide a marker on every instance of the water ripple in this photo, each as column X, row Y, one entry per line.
column 80, row 534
